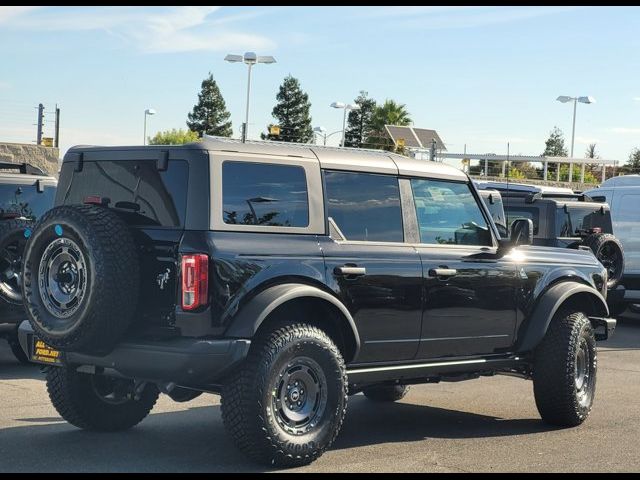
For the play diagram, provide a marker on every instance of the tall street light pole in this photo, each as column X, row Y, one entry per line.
column 250, row 59
column 346, row 107
column 147, row 112
column 575, row 100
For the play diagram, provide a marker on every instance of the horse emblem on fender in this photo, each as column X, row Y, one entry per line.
column 163, row 278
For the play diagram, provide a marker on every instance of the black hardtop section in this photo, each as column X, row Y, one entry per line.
column 188, row 192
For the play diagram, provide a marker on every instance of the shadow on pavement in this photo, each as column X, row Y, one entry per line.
column 195, row 440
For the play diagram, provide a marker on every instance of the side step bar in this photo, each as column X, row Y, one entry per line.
column 432, row 369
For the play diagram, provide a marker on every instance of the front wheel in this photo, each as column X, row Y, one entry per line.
column 564, row 372
column 285, row 405
column 98, row 402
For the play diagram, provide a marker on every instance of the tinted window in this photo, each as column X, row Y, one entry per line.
column 25, row 201
column 143, row 194
column 449, row 214
column 365, row 206
column 575, row 220
column 264, row 194
column 532, row 213
column 493, row 201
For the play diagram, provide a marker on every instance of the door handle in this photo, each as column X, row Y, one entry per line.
column 350, row 271
column 443, row 272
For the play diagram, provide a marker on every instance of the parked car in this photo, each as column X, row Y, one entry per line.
column 623, row 195
column 25, row 194
column 565, row 219
column 286, row 277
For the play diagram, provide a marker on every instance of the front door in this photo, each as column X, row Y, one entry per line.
column 469, row 293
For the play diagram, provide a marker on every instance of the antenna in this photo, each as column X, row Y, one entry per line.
column 505, row 205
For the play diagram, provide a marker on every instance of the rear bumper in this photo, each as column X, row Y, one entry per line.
column 184, row 361
column 604, row 327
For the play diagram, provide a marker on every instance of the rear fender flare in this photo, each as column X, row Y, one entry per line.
column 247, row 321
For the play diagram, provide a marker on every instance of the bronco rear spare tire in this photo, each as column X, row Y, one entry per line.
column 81, row 278
column 608, row 250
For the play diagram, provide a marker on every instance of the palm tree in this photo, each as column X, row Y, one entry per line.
column 389, row 113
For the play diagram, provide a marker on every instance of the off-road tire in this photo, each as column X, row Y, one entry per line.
column 555, row 370
column 74, row 397
column 600, row 244
column 248, row 396
column 386, row 393
column 13, row 238
column 17, row 351
column 111, row 280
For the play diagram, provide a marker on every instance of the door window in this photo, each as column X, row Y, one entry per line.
column 365, row 206
column 448, row 214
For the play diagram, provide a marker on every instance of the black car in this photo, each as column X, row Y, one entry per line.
column 25, row 194
column 565, row 220
column 286, row 278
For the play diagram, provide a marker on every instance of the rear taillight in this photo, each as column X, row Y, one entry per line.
column 195, row 281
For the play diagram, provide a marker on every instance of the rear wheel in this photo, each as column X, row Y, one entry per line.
column 98, row 402
column 13, row 238
column 564, row 373
column 285, row 405
column 386, row 393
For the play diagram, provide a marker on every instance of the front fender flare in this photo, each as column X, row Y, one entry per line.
column 247, row 321
column 548, row 305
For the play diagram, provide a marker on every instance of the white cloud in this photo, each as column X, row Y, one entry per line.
column 429, row 17
column 7, row 13
column 152, row 29
column 637, row 99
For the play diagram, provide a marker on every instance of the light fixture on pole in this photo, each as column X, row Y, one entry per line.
column 346, row 107
column 147, row 112
column 575, row 100
column 323, row 133
column 250, row 59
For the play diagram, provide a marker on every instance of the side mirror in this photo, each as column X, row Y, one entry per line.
column 522, row 232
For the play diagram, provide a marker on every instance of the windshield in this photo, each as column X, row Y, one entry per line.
column 577, row 220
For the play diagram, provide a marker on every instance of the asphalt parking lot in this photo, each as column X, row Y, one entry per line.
column 490, row 424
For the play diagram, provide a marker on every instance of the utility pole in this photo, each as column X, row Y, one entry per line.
column 40, row 124
column 57, row 129
column 433, row 150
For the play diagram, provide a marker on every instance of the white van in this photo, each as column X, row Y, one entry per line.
column 623, row 196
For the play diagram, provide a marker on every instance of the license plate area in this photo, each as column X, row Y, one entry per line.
column 42, row 353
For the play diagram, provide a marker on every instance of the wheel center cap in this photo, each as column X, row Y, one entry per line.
column 294, row 395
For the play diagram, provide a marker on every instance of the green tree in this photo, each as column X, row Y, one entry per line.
column 292, row 112
column 174, row 137
column 359, row 121
column 389, row 113
column 210, row 115
column 633, row 164
column 554, row 146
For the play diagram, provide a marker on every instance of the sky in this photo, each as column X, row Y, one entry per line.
column 480, row 76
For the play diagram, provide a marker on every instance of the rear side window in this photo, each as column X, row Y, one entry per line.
column 264, row 194
column 143, row 194
column 365, row 206
column 576, row 220
column 24, row 201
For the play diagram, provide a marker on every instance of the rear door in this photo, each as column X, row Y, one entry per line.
column 153, row 201
column 376, row 275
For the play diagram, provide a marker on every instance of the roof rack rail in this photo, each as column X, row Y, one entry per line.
column 24, row 168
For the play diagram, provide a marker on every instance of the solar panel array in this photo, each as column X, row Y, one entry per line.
column 414, row 137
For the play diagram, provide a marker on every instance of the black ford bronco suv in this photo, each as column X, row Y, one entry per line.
column 26, row 192
column 286, row 278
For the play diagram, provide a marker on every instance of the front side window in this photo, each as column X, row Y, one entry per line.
column 448, row 214
column 264, row 194
column 364, row 206
column 519, row 212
